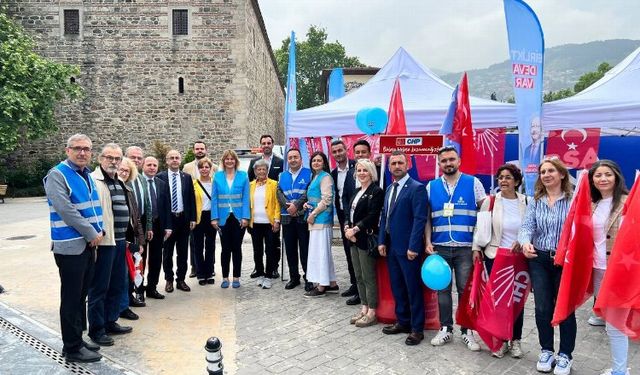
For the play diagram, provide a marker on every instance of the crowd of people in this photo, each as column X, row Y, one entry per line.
column 127, row 205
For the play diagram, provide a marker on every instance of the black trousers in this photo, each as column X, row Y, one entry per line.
column 346, row 244
column 203, row 246
column 262, row 238
column 296, row 236
column 76, row 273
column 153, row 253
column 231, row 240
column 179, row 239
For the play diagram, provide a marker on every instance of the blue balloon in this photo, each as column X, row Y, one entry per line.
column 436, row 273
column 372, row 120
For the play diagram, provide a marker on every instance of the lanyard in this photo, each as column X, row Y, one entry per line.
column 446, row 187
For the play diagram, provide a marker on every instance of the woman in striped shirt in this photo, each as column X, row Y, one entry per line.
column 539, row 237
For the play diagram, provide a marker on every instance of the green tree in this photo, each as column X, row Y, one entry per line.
column 30, row 87
column 557, row 95
column 590, row 78
column 312, row 55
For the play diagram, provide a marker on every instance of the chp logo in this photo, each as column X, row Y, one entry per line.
column 409, row 141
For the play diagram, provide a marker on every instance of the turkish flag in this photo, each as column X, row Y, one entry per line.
column 577, row 148
column 504, row 299
column 575, row 254
column 618, row 301
column 397, row 123
column 350, row 140
column 489, row 150
column 462, row 126
column 130, row 264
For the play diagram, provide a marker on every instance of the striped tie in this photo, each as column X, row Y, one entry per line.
column 174, row 194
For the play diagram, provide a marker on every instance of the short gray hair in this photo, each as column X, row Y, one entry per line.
column 131, row 148
column 261, row 163
column 110, row 146
column 78, row 137
column 369, row 166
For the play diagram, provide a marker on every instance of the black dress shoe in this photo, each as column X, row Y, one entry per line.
column 292, row 284
column 83, row 355
column 103, row 340
column 352, row 291
column 90, row 346
column 353, row 300
column 128, row 314
column 395, row 329
column 134, row 302
column 308, row 286
column 140, row 296
column 154, row 294
column 202, row 282
column 414, row 338
column 169, row 287
column 181, row 285
column 211, row 281
column 255, row 274
column 116, row 329
column 275, row 275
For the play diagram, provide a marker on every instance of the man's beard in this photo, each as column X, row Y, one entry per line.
column 200, row 156
column 453, row 171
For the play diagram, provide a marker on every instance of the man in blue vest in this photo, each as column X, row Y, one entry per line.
column 76, row 231
column 454, row 200
column 291, row 193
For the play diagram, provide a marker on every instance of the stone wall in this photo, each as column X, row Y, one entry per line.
column 131, row 64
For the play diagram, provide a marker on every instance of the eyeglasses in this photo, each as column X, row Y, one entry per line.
column 124, row 171
column 78, row 149
column 113, row 158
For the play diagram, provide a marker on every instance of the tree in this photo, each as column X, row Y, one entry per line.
column 557, row 95
column 590, row 78
column 312, row 56
column 30, row 87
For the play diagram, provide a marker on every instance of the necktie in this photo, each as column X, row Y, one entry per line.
column 139, row 197
column 174, row 193
column 394, row 195
column 154, row 199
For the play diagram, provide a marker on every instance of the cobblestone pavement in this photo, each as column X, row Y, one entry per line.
column 280, row 331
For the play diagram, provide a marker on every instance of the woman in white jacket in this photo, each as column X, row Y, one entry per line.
column 509, row 208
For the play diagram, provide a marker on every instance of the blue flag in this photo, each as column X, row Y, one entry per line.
column 447, row 125
column 336, row 84
column 290, row 92
column 526, row 49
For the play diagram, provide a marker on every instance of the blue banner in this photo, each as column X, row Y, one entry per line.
column 290, row 104
column 526, row 50
column 336, row 84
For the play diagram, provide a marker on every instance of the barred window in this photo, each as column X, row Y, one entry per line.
column 180, row 22
column 71, row 22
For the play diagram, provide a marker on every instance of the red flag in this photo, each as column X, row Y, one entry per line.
column 397, row 123
column 469, row 304
column 577, row 148
column 507, row 292
column 619, row 297
column 463, row 126
column 130, row 264
column 575, row 254
column 490, row 147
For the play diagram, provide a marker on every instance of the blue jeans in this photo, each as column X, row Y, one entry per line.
column 545, row 279
column 461, row 263
column 105, row 292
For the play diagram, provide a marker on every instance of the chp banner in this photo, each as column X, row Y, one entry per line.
column 526, row 49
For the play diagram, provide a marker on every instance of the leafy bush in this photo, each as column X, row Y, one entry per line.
column 25, row 180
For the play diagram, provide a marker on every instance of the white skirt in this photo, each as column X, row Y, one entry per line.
column 320, row 268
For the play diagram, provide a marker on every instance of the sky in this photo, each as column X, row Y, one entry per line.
column 449, row 35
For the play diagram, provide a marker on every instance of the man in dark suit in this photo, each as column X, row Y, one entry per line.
column 182, row 202
column 401, row 239
column 344, row 188
column 161, row 224
column 276, row 165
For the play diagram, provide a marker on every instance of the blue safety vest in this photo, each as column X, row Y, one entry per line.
column 294, row 189
column 459, row 227
column 315, row 195
column 86, row 200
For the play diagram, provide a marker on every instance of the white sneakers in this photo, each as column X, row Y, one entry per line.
column 266, row 284
column 443, row 337
column 470, row 341
column 563, row 365
column 260, row 281
column 502, row 351
column 546, row 360
column 516, row 349
column 609, row 371
column 596, row 321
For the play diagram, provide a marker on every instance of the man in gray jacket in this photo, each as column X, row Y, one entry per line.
column 76, row 229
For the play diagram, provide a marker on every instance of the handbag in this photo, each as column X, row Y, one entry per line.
column 372, row 244
column 482, row 234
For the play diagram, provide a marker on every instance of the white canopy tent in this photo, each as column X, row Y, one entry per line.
column 425, row 97
column 611, row 102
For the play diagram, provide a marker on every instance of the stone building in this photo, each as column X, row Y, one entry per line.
column 174, row 71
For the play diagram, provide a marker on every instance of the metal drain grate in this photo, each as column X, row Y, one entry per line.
column 43, row 348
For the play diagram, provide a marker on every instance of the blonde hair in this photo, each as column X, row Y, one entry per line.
column 370, row 167
column 204, row 161
column 231, row 153
column 565, row 185
column 133, row 169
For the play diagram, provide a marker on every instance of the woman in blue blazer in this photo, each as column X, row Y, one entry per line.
column 230, row 214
